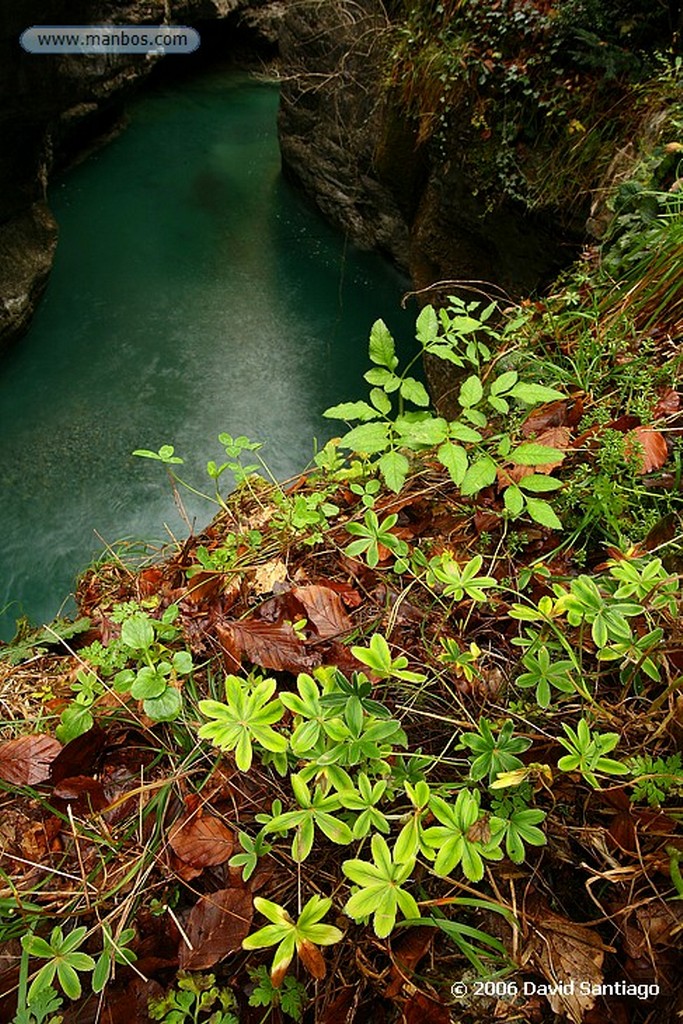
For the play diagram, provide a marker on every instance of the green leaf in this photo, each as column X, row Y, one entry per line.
column 382, row 378
column 454, row 458
column 394, row 469
column 351, row 411
column 413, row 391
column 471, row 392
column 537, row 483
column 427, row 325
column 369, row 438
column 481, row 474
column 382, row 347
column 541, row 512
column 380, row 401
column 430, row 431
column 166, row 707
column 503, row 383
column 461, row 432
column 532, row 454
column 513, row 500
column 137, row 632
column 530, row 394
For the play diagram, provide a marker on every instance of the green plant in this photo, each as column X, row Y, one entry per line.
column 655, row 778
column 303, row 936
column 371, row 534
column 521, row 823
column 195, row 998
column 114, row 950
column 493, row 753
column 546, row 674
column 463, row 663
column 365, row 799
column 253, row 850
column 246, row 716
column 235, row 549
column 306, row 516
column 290, row 997
column 587, row 752
column 466, row 836
column 77, row 718
column 388, row 434
column 378, row 658
column 64, row 960
column 381, row 893
column 314, row 811
column 460, row 583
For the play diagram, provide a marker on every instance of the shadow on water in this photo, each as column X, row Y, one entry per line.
column 194, row 292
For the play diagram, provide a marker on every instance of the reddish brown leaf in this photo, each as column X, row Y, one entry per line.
column 563, row 951
column 270, row 645
column 80, row 756
column 26, row 761
column 85, row 793
column 324, row 610
column 647, row 447
column 348, row 594
column 421, row 1009
column 407, row 952
column 565, row 412
column 312, row 959
column 217, row 924
column 342, row 1008
column 201, row 840
column 667, row 404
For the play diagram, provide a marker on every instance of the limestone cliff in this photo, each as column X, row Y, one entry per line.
column 348, row 143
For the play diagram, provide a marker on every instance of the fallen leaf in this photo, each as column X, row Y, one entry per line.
column 565, row 412
column 270, row 645
column 201, row 840
column 342, row 1008
column 80, row 756
column 323, row 609
column 667, row 404
column 267, row 575
column 563, row 951
column 26, row 761
column 85, row 793
column 407, row 951
column 647, row 447
column 421, row 1009
column 217, row 924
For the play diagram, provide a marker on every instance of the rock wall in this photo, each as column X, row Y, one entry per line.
column 54, row 106
column 347, row 143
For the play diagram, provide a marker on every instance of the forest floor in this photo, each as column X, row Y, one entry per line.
column 430, row 692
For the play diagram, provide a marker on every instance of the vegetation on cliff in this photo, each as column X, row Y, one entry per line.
column 398, row 739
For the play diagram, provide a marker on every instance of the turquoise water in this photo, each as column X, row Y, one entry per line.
column 194, row 292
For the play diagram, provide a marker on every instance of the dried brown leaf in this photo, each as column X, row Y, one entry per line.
column 26, row 761
column 407, row 951
column 312, row 959
column 84, row 792
column 565, row 412
column 201, row 840
column 422, row 1009
column 562, row 952
column 217, row 924
column 324, row 610
column 270, row 645
column 647, row 447
column 268, row 575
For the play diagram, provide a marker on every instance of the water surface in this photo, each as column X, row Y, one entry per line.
column 193, row 292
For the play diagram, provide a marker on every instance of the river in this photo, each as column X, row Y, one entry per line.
column 193, row 292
